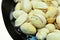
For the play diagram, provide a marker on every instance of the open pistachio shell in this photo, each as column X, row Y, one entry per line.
column 41, row 36
column 26, row 5
column 18, row 6
column 37, row 19
column 17, row 13
column 53, row 36
column 39, row 5
column 21, row 19
column 52, row 12
column 50, row 27
column 28, row 28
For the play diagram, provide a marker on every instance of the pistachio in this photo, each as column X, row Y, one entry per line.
column 52, row 12
column 43, row 30
column 58, row 22
column 18, row 6
column 58, row 19
column 50, row 27
column 28, row 28
column 54, row 3
column 53, row 36
column 39, row 5
column 42, row 33
column 58, row 1
column 37, row 18
column 21, row 19
column 59, row 10
column 26, row 5
column 18, row 13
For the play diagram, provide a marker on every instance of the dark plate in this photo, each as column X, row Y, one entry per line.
column 7, row 6
column 16, row 34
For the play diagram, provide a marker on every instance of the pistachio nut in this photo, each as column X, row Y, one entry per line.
column 21, row 19
column 37, row 18
column 50, row 27
column 39, row 5
column 18, row 13
column 26, row 5
column 18, row 6
column 28, row 28
column 52, row 12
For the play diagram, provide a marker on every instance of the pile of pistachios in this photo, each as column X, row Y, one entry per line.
column 40, row 17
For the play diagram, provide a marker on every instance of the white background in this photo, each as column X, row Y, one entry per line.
column 4, row 35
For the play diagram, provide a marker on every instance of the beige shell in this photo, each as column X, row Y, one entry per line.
column 50, row 27
column 43, row 30
column 53, row 36
column 54, row 3
column 37, row 18
column 56, row 30
column 52, row 12
column 50, row 20
column 28, row 28
column 18, row 13
column 58, row 22
column 48, row 2
column 41, row 36
column 18, row 6
column 58, row 19
column 39, row 5
column 58, row 1
column 26, row 5
column 21, row 19
column 58, row 10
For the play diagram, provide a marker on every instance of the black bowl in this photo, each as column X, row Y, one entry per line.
column 7, row 7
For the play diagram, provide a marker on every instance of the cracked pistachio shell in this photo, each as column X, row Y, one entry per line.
column 28, row 28
column 37, row 18
column 53, row 36
column 39, row 5
column 50, row 27
column 21, row 19
column 52, row 12
column 54, row 3
column 41, row 36
column 26, row 5
column 50, row 20
column 18, row 6
column 43, row 30
column 18, row 13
